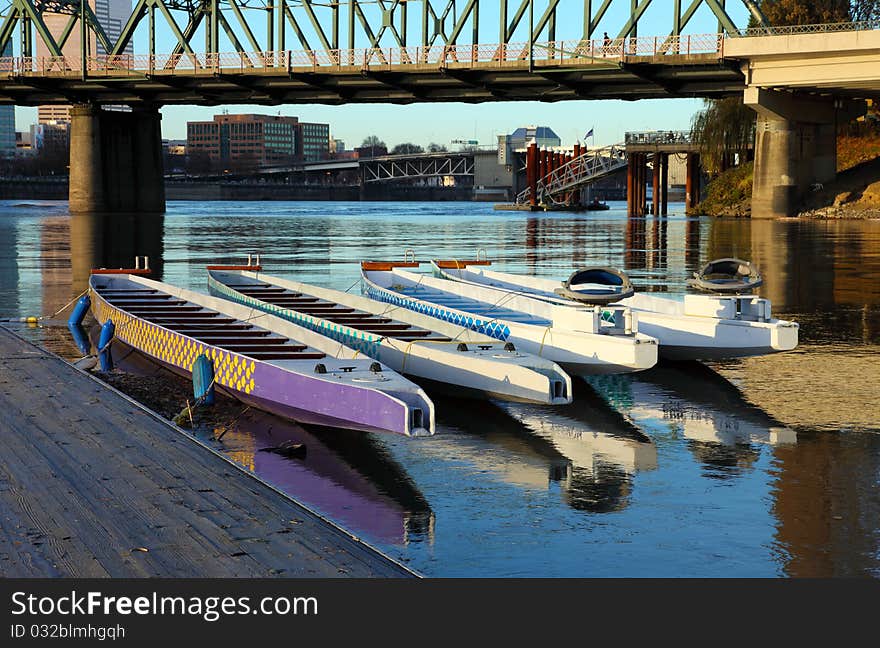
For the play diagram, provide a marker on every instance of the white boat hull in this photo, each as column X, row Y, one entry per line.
column 689, row 330
column 483, row 369
column 579, row 352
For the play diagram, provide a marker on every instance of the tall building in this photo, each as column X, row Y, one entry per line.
column 315, row 141
column 543, row 136
column 238, row 139
column 7, row 121
column 112, row 14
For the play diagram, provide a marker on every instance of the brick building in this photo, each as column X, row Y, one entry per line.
column 244, row 139
column 257, row 140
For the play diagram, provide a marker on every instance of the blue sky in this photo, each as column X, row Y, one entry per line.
column 442, row 123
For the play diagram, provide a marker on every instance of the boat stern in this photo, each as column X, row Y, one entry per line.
column 784, row 336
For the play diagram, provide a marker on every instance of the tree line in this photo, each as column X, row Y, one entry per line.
column 373, row 143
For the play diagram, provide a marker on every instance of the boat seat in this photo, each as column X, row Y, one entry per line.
column 377, row 328
column 230, row 339
column 239, row 348
column 293, row 355
column 248, row 285
column 161, row 319
column 135, row 303
column 329, row 309
column 415, row 333
column 355, row 318
column 291, row 300
column 220, row 331
column 412, row 337
column 259, row 290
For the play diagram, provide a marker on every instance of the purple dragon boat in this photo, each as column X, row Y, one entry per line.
column 259, row 359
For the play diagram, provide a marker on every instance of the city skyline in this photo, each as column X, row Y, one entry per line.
column 418, row 123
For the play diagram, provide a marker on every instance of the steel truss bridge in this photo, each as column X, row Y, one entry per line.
column 428, row 165
column 341, row 51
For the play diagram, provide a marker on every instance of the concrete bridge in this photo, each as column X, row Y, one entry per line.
column 801, row 81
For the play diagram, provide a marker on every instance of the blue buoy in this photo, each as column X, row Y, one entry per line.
column 203, row 380
column 104, row 340
column 80, row 337
column 79, row 312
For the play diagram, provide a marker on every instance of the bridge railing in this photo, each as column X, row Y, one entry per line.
column 823, row 28
column 657, row 137
column 540, row 53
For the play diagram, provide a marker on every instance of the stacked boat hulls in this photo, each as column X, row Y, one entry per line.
column 584, row 341
column 447, row 356
column 726, row 321
column 261, row 359
column 332, row 358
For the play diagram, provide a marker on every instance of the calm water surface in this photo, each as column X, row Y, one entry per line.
column 761, row 467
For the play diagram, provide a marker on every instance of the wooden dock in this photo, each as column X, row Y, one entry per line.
column 94, row 485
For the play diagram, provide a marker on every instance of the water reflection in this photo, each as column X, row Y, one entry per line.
column 346, row 476
column 586, row 450
column 693, row 402
column 112, row 241
column 9, row 303
column 604, row 448
column 494, row 442
column 782, row 449
column 825, row 501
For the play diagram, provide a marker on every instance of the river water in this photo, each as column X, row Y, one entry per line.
column 762, row 467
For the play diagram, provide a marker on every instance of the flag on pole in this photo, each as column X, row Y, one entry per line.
column 588, row 135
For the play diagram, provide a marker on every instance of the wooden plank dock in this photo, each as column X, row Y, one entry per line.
column 93, row 484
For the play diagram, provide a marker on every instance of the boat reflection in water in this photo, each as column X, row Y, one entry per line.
column 585, row 449
column 345, row 475
column 604, row 448
column 483, row 436
column 693, row 401
column 342, row 474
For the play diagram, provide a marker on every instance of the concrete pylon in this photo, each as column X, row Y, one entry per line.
column 116, row 161
column 86, row 193
column 795, row 146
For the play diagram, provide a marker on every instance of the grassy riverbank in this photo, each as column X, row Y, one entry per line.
column 854, row 194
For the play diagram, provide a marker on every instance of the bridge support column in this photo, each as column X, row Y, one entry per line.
column 630, row 183
column 532, row 174
column 642, row 190
column 655, row 184
column 116, row 161
column 795, row 146
column 664, row 184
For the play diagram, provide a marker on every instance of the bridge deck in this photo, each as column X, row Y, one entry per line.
column 93, row 485
column 628, row 77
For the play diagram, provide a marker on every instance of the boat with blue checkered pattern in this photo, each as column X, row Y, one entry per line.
column 438, row 354
column 583, row 341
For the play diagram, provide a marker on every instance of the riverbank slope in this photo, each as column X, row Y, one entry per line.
column 854, row 194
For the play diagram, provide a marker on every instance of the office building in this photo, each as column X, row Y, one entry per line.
column 112, row 14
column 7, row 121
column 543, row 136
column 314, row 141
column 232, row 139
column 51, row 136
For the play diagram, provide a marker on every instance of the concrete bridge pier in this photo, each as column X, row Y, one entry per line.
column 116, row 161
column 795, row 146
